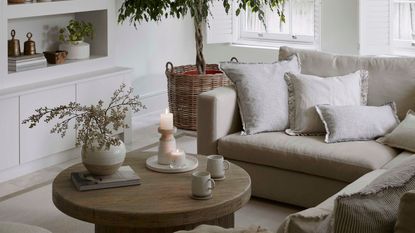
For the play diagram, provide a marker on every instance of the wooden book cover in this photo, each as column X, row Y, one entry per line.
column 125, row 176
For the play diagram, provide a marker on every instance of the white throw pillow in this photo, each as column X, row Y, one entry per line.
column 403, row 136
column 262, row 93
column 357, row 123
column 307, row 91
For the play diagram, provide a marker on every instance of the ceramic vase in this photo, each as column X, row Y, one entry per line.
column 76, row 50
column 101, row 162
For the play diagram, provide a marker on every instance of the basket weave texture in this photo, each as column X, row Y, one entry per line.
column 184, row 88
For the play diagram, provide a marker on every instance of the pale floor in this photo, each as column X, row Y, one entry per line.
column 27, row 199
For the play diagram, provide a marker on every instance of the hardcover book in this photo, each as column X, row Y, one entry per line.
column 125, row 176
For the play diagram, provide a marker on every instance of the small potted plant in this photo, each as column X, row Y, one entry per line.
column 72, row 38
column 102, row 153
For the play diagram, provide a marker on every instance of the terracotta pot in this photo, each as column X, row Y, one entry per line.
column 103, row 162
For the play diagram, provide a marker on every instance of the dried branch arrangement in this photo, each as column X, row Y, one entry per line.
column 96, row 123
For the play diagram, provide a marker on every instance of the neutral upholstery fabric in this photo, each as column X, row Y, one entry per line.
column 390, row 78
column 405, row 222
column 11, row 227
column 307, row 154
column 310, row 220
column 307, row 91
column 217, row 116
column 217, row 229
column 400, row 158
column 375, row 207
column 262, row 93
column 287, row 186
column 358, row 123
column 403, row 137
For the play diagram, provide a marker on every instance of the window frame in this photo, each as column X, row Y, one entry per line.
column 399, row 46
column 278, row 39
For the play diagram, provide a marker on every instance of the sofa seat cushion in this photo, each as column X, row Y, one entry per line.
column 344, row 161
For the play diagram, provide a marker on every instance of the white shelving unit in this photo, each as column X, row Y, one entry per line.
column 84, row 81
column 44, row 19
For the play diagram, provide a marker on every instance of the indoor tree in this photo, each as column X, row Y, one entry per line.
column 137, row 11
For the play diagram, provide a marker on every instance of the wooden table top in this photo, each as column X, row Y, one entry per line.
column 162, row 200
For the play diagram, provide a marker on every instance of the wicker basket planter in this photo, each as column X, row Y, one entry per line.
column 184, row 84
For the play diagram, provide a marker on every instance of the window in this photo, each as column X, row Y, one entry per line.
column 299, row 26
column 403, row 23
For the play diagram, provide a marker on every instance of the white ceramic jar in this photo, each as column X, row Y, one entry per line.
column 76, row 49
column 104, row 162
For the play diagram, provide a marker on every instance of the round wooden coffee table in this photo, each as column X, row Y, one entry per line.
column 161, row 203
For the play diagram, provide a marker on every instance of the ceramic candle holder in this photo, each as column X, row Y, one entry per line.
column 167, row 144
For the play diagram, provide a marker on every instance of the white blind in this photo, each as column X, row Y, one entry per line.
column 317, row 24
column 374, row 27
column 220, row 25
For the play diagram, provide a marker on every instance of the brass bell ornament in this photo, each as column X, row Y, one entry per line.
column 29, row 45
column 13, row 46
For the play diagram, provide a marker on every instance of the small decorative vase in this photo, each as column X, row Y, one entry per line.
column 103, row 162
column 76, row 50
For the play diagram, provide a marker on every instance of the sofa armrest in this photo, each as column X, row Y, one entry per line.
column 406, row 214
column 217, row 116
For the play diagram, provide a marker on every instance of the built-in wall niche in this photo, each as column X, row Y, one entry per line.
column 45, row 30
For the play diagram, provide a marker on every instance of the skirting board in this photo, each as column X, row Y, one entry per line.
column 51, row 160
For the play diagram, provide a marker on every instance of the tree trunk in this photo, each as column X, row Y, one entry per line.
column 200, row 59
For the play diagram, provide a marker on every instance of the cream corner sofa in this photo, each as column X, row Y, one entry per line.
column 305, row 171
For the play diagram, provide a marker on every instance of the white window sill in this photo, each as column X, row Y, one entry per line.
column 272, row 45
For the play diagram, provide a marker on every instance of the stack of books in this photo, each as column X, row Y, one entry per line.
column 125, row 176
column 30, row 62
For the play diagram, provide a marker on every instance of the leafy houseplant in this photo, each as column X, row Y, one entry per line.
column 72, row 38
column 95, row 125
column 76, row 31
column 137, row 11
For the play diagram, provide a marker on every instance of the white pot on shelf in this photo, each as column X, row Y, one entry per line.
column 76, row 49
column 103, row 162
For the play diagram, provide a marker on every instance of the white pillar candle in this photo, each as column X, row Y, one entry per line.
column 166, row 120
column 178, row 157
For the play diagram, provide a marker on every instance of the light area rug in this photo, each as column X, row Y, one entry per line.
column 34, row 206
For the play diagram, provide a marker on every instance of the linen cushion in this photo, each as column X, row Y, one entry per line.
column 307, row 91
column 375, row 207
column 390, row 78
column 313, row 219
column 357, row 123
column 405, row 222
column 308, row 154
column 262, row 93
column 403, row 137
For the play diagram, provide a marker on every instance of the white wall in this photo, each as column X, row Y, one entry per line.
column 148, row 48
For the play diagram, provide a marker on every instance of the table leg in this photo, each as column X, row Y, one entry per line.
column 227, row 221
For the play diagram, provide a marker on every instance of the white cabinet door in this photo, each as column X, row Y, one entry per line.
column 89, row 93
column 38, row 142
column 9, row 133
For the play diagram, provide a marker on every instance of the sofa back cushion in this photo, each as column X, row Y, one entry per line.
column 391, row 79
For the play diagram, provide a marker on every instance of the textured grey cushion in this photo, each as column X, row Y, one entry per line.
column 262, row 93
column 357, row 123
column 374, row 208
column 390, row 78
column 307, row 91
column 403, row 137
column 406, row 223
column 307, row 154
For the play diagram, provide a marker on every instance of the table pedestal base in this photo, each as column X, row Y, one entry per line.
column 227, row 221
